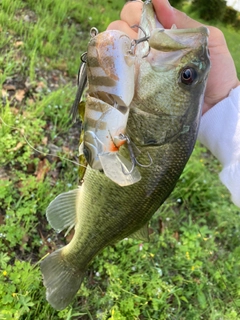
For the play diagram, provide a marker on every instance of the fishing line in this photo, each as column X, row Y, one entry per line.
column 40, row 152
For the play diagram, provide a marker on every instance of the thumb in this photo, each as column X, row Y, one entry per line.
column 168, row 16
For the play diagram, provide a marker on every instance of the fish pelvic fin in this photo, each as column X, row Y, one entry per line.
column 62, row 211
column 61, row 280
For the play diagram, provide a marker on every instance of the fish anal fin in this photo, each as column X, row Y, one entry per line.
column 61, row 280
column 141, row 234
column 62, row 211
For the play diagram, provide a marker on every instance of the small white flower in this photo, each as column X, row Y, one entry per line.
column 159, row 270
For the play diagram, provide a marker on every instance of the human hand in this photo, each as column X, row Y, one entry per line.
column 222, row 77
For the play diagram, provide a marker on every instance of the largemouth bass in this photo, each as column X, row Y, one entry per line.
column 171, row 68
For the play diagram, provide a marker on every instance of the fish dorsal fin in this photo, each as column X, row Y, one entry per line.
column 117, row 168
column 61, row 212
column 141, row 234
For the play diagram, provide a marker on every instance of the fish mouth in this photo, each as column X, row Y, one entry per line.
column 202, row 29
column 168, row 39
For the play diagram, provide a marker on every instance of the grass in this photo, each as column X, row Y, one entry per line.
column 189, row 269
column 233, row 44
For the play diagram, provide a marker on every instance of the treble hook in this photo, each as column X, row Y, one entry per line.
column 135, row 42
column 83, row 58
column 81, row 70
column 131, row 153
column 145, row 38
column 82, row 79
column 132, row 156
column 145, row 165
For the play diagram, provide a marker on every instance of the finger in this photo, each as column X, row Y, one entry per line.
column 168, row 16
column 124, row 27
column 131, row 12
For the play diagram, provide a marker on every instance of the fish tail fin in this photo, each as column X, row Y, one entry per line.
column 61, row 280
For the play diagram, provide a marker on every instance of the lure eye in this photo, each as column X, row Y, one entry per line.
column 188, row 75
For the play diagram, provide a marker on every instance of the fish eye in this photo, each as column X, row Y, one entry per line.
column 188, row 75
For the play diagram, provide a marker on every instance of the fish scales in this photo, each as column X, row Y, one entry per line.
column 162, row 125
column 138, row 199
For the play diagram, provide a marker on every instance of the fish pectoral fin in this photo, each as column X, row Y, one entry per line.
column 61, row 212
column 118, row 169
column 61, row 279
column 141, row 234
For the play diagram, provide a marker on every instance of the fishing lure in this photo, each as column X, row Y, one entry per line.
column 109, row 70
